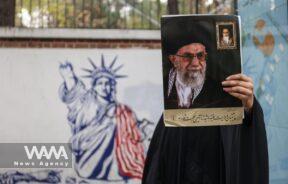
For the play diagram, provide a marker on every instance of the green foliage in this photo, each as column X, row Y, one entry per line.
column 116, row 14
column 108, row 14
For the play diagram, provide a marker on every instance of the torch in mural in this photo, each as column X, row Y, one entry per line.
column 107, row 139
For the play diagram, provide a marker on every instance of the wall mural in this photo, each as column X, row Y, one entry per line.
column 107, row 137
column 44, row 176
column 104, row 117
column 265, row 30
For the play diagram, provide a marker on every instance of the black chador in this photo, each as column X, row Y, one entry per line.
column 209, row 155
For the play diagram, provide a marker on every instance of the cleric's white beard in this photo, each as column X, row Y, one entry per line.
column 188, row 86
column 191, row 79
column 226, row 39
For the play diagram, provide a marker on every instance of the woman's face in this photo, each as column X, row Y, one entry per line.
column 103, row 87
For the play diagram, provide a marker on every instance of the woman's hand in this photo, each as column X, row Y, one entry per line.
column 241, row 87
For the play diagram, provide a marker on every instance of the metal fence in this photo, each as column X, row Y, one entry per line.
column 108, row 14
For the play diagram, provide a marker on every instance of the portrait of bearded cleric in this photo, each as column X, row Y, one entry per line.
column 190, row 84
column 226, row 36
column 194, row 66
column 188, row 73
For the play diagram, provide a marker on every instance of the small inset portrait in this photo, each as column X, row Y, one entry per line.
column 226, row 35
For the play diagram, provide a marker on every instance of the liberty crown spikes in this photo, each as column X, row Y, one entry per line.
column 103, row 71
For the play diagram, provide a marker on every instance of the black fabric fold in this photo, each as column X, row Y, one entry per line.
column 209, row 155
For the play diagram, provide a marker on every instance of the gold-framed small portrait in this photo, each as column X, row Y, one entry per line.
column 226, row 35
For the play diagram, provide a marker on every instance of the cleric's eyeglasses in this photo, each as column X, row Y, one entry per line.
column 189, row 56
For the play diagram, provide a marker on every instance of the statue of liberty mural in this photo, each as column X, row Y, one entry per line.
column 107, row 138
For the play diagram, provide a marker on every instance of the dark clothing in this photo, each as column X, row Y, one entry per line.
column 209, row 155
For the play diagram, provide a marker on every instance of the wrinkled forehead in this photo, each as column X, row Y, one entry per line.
column 192, row 48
